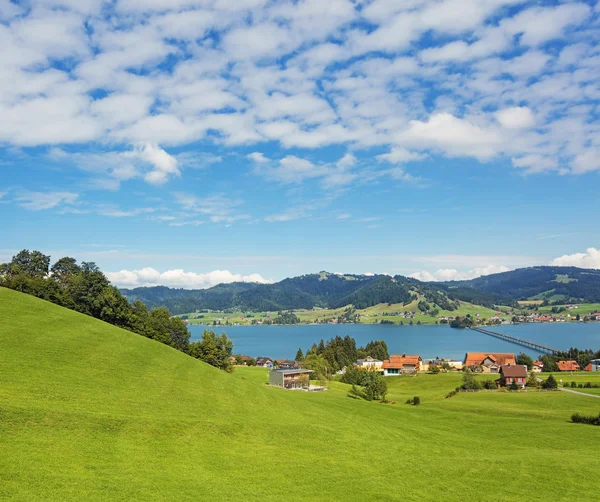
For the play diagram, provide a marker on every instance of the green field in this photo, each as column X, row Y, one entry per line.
column 92, row 412
column 370, row 315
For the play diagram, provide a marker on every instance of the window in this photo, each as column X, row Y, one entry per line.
column 392, row 371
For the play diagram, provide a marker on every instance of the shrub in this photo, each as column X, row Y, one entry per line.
column 513, row 386
column 550, row 383
column 490, row 385
column 451, row 394
column 580, row 386
column 574, row 385
column 585, row 419
column 566, row 384
column 434, row 369
column 415, row 401
column 588, row 385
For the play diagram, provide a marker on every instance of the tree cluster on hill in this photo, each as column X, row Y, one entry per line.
column 84, row 288
column 338, row 353
column 462, row 322
column 286, row 318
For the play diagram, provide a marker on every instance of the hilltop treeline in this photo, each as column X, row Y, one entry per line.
column 323, row 290
column 571, row 283
column 328, row 357
column 84, row 288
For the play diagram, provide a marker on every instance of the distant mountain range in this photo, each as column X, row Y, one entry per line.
column 540, row 283
column 328, row 290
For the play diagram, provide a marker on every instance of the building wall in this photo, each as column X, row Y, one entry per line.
column 276, row 378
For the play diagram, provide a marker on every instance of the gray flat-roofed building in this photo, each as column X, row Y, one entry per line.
column 290, row 378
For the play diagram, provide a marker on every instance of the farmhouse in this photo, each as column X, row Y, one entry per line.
column 265, row 362
column 286, row 364
column 537, row 366
column 568, row 366
column 595, row 365
column 290, row 379
column 510, row 373
column 487, row 362
column 402, row 364
column 369, row 363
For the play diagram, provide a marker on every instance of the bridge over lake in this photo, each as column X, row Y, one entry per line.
column 513, row 339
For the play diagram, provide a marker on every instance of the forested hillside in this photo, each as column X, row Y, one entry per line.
column 323, row 290
column 552, row 283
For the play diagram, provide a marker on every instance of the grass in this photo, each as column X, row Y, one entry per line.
column 92, row 412
column 370, row 315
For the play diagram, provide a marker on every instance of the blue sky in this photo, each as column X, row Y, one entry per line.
column 191, row 142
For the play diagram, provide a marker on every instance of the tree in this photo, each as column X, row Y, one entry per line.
column 31, row 263
column 532, row 381
column 213, row 349
column 524, row 360
column 318, row 364
column 469, row 381
column 377, row 349
column 550, row 383
column 63, row 269
column 513, row 386
column 299, row 356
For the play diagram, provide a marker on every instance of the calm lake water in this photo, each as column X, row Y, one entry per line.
column 427, row 341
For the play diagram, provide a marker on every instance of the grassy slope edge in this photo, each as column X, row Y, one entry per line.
column 90, row 411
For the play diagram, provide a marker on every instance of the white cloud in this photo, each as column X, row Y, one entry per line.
column 37, row 201
column 517, row 117
column 452, row 135
column 450, row 274
column 535, row 163
column 179, row 278
column 257, row 157
column 130, row 76
column 589, row 259
column 399, row 155
column 218, row 208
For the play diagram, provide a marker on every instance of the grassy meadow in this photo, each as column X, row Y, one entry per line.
column 92, row 412
column 370, row 315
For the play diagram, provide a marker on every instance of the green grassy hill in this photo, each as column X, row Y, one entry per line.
column 89, row 411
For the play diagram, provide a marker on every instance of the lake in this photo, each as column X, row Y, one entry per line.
column 427, row 341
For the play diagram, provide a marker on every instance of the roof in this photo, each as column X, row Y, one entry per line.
column 513, row 370
column 477, row 358
column 538, row 363
column 567, row 366
column 292, row 372
column 398, row 361
column 588, row 367
column 368, row 360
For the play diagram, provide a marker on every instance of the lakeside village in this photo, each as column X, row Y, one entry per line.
column 293, row 375
column 560, row 314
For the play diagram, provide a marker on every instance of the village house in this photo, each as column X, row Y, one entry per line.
column 487, row 362
column 286, row 364
column 369, row 363
column 595, row 364
column 265, row 362
column 290, row 378
column 510, row 373
column 401, row 365
column 537, row 367
column 568, row 366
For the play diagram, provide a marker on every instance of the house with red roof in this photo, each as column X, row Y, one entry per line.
column 537, row 367
column 510, row 373
column 402, row 365
column 487, row 362
column 568, row 366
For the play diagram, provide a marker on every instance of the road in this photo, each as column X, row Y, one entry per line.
column 580, row 393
